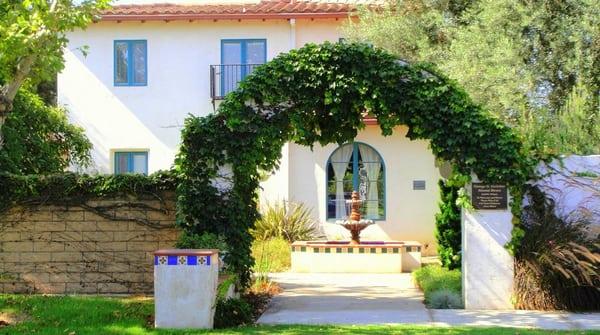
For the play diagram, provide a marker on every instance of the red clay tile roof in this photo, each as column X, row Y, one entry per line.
column 266, row 9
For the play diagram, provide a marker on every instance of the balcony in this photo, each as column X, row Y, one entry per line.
column 225, row 78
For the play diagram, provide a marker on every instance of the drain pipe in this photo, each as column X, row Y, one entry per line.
column 292, row 33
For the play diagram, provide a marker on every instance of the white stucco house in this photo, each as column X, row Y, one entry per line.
column 148, row 66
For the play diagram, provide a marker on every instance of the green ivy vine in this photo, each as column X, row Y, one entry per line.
column 72, row 189
column 320, row 94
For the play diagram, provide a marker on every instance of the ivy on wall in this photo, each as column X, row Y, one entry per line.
column 320, row 94
column 72, row 189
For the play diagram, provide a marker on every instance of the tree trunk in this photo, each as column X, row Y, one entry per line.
column 2, row 119
column 9, row 90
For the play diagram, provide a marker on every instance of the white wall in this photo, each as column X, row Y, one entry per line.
column 318, row 31
column 487, row 266
column 573, row 183
column 179, row 54
column 410, row 214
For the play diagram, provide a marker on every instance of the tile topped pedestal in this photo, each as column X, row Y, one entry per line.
column 185, row 287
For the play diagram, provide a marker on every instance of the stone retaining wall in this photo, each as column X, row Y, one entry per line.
column 57, row 249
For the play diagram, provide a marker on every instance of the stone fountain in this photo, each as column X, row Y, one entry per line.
column 354, row 223
column 355, row 256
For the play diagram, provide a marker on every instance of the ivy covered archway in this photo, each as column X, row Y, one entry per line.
column 321, row 93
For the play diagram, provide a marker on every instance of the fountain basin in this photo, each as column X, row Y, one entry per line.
column 365, row 257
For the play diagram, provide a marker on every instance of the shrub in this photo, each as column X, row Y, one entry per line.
column 38, row 139
column 445, row 299
column 556, row 264
column 224, row 286
column 201, row 241
column 448, row 226
column 434, row 278
column 232, row 312
column 286, row 220
column 205, row 240
column 272, row 255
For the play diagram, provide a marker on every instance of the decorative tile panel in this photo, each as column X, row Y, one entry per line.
column 189, row 260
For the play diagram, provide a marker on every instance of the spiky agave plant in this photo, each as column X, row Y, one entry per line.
column 557, row 264
column 288, row 220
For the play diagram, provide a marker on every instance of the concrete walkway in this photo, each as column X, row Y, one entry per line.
column 390, row 299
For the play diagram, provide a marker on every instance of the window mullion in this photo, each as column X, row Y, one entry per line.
column 243, row 58
column 130, row 64
column 355, row 180
column 130, row 162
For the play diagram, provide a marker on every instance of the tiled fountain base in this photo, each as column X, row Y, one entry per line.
column 366, row 257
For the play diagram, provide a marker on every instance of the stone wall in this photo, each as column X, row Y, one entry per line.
column 58, row 249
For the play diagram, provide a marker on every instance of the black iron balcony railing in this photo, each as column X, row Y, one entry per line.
column 225, row 78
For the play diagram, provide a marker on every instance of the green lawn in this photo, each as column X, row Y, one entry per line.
column 132, row 316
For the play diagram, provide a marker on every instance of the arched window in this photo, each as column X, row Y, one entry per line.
column 356, row 167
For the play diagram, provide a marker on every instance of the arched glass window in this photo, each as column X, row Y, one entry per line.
column 355, row 167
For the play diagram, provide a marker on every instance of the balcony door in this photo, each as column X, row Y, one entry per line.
column 238, row 59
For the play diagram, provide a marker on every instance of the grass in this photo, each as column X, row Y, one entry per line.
column 77, row 315
column 272, row 255
column 433, row 278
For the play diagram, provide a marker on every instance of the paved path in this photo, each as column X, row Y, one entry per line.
column 390, row 299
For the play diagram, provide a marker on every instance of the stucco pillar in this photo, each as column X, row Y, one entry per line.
column 185, row 288
column 487, row 267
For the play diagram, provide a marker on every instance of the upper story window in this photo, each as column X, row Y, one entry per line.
column 238, row 59
column 131, row 63
column 356, row 166
column 131, row 162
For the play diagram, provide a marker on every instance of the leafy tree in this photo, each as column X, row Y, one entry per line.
column 40, row 140
column 470, row 49
column 521, row 59
column 32, row 38
column 574, row 129
column 562, row 40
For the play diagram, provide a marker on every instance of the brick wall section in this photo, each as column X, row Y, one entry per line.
column 54, row 249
